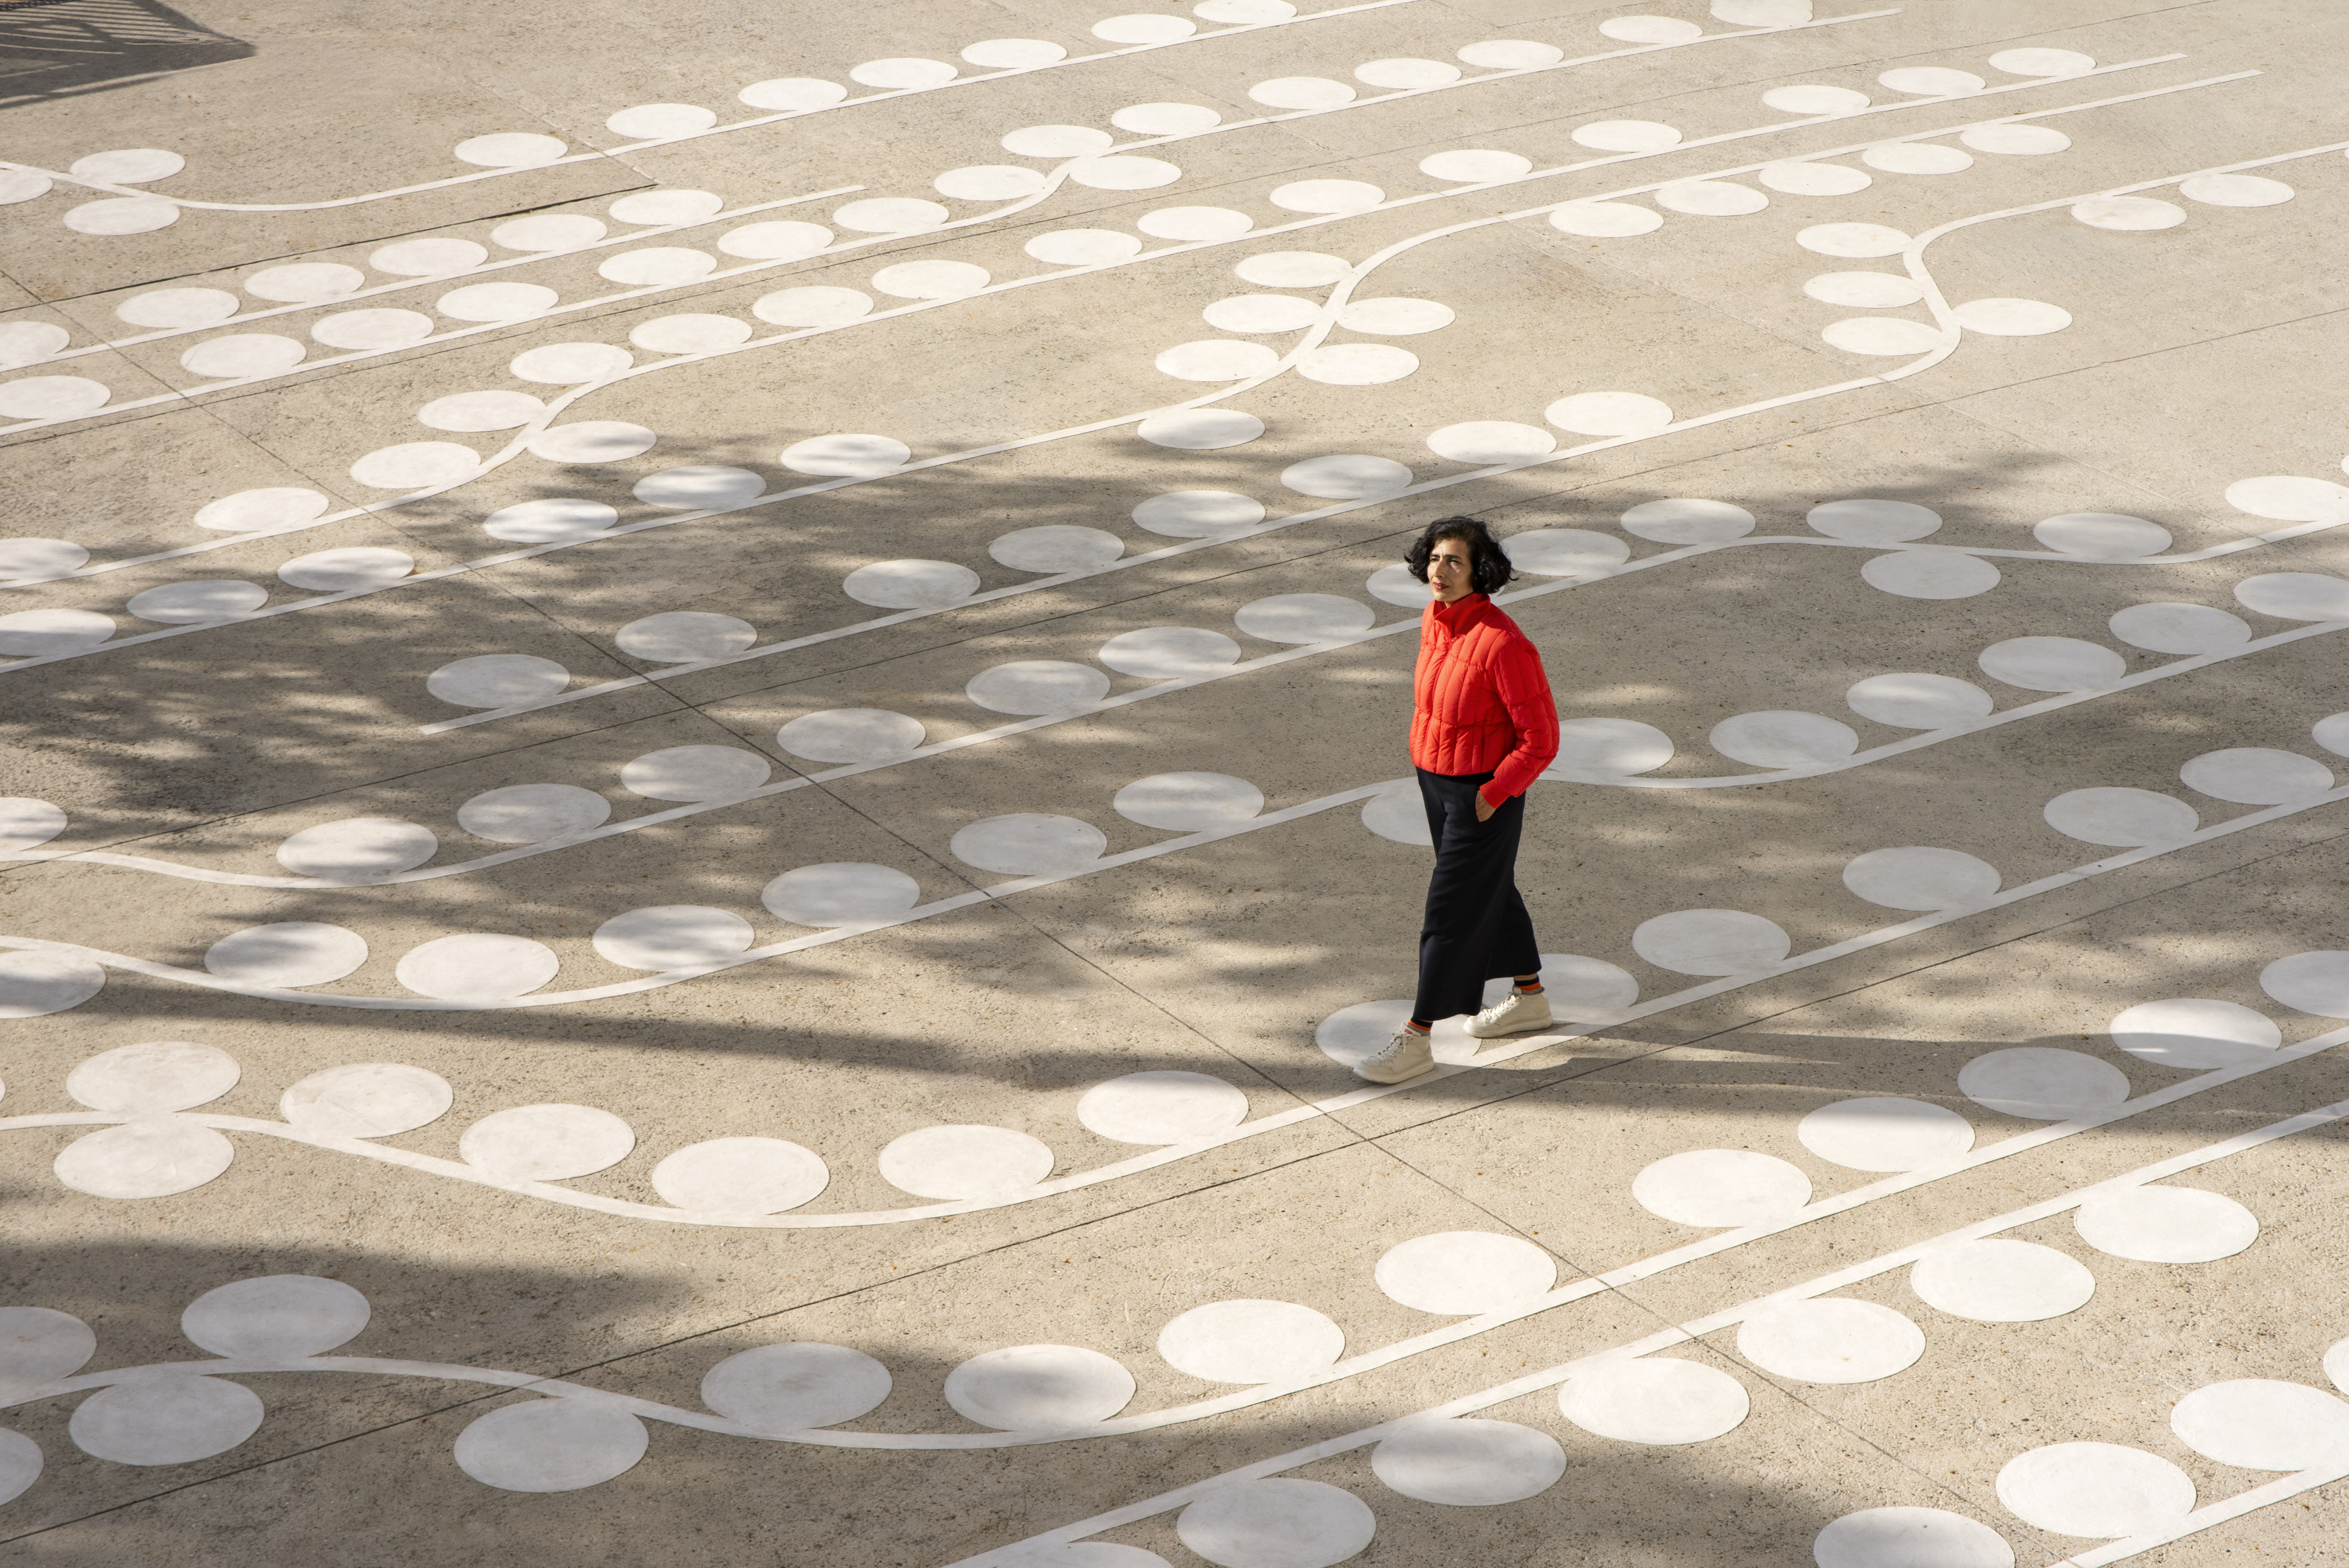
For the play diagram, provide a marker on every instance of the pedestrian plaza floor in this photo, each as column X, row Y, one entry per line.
column 705, row 783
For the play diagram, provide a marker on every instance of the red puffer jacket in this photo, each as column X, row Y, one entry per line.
column 1480, row 700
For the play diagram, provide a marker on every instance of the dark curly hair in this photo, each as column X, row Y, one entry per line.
column 1488, row 565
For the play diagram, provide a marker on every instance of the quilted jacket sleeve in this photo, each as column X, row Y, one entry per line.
column 1524, row 689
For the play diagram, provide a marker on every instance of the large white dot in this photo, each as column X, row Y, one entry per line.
column 1028, row 844
column 288, row 953
column 1806, row 179
column 1927, row 571
column 39, row 1344
column 2000, row 1281
column 1239, row 13
column 39, row 633
column 965, row 1162
column 678, row 637
column 1814, row 99
column 1189, row 802
column 1609, row 414
column 1916, row 158
column 417, row 465
column 1346, row 476
column 473, row 411
column 1720, row 1188
column 128, row 166
column 509, row 149
column 1198, row 514
column 839, row 893
column 2128, row 213
column 2102, row 536
column 2256, row 775
column 64, row 396
column 546, row 1143
column 1873, row 522
column 550, row 1445
column 1166, row 1106
column 553, row 520
column 1280, row 1522
column 2052, row 664
column 1654, row 1400
column 740, row 1175
column 1467, row 1463
column 477, row 968
column 1564, row 552
column 1396, row 316
column 1200, row 429
column 1650, row 29
column 1036, row 686
column 1884, row 1134
column 1122, row 173
column 2015, row 141
column 2191, row 1033
column 930, row 280
column 844, row 455
column 497, row 681
column 1357, row 364
column 695, row 773
column 1305, row 93
column 251, row 511
column 165, row 1420
column 1217, row 360
column 1039, row 1388
column 1056, row 547
column 153, row 1079
column 1605, row 220
column 664, row 937
column 433, row 257
column 1144, row 29
column 2097, row 1490
column 2166, row 1225
column 498, row 301
column 1169, row 652
column 890, row 215
column 1083, row 247
column 1304, row 618
column 1476, row 166
column 1682, row 520
column 852, row 735
column 1783, row 740
column 26, row 823
column 776, row 240
column 1916, row 877
column 1510, row 55
column 700, row 487
column 305, row 283
column 2260, row 1424
column 144, row 1159
column 692, row 333
column 2040, row 1084
column 2234, row 191
column 366, row 1099
column 1858, row 240
column 2179, row 629
column 1403, row 75
column 1626, row 136
column 352, row 566
column 1711, row 942
column 1491, row 441
column 2296, row 595
column 237, row 355
column 179, row 307
column 658, row 121
column 812, row 307
column 1612, row 746
column 1195, row 224
column 984, row 183
column 1251, row 1341
column 611, row 440
column 910, row 585
column 276, row 1317
column 1909, row 1538
column 2121, row 818
column 902, row 74
column 123, row 215
column 1462, row 1273
column 1832, row 1340
column 1712, row 198
column 198, row 603
column 2316, row 982
column 357, row 847
column 795, row 1388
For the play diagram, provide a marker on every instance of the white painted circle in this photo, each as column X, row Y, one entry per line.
column 1403, row 75
column 656, row 122
column 1682, row 520
column 1165, row 119
column 68, row 397
column 1650, row 29
column 1605, row 220
column 1346, row 476
column 2260, row 1424
column 664, row 208
column 123, row 215
column 2256, row 775
column 1126, row 173
column 2317, row 982
column 1058, row 141
column 417, row 465
column 1476, row 166
column 38, row 1344
column 1710, row 198
column 2121, row 818
column 2002, row 1280
column 931, row 280
column 2041, row 1084
column 2011, row 317
column 1039, row 1388
column 910, row 585
column 509, row 149
column 839, row 893
column 128, row 166
column 776, row 240
column 153, row 1079
column 165, row 1420
column 1195, row 224
column 476, row 412
column 1463, row 1273
column 1609, row 414
column 1711, row 942
column 1166, row 1106
column 305, row 283
column 1830, row 1340
column 696, row 333
column 741, row 1176
column 890, row 215
column 846, row 456
column 1144, row 29
column 285, row 954
column 367, row 1099
column 1037, row 686
column 660, row 938
column 2128, row 213
column 2235, row 191
column 1916, row 158
column 792, row 93
column 1200, row 429
column 2166, row 1225
column 1399, row 815
column 700, row 487
column 1468, row 1464
column 477, row 968
column 1884, row 335
column 1482, row 441
column 235, row 357
column 2331, row 732
column 1028, row 844
column 36, row 633
column 1198, row 514
column 2179, row 629
column 1626, row 136
column 2101, row 535
column 352, row 566
column 497, row 681
column 2042, row 62
column 276, row 1317
column 1804, row 179
column 1562, row 552
column 1056, row 547
column 1357, row 364
column 144, row 1159
column 1865, row 290
column 986, row 182
column 1909, row 1538
column 1858, row 240
column 2015, row 141
column 546, row 1143
column 657, row 266
column 1884, row 1134
column 1169, row 652
column 1721, row 1189
column 2052, row 664
column 179, row 308
column 1783, row 740
column 1658, row 1401
column 812, row 307
column 2296, row 595
column 1929, row 572
column 695, row 773
column 1189, row 802
column 1261, row 312
column 795, row 1388
column 35, row 984
column 1280, row 1522
column 1328, row 196
column 1916, row 877
column 357, row 847
column 2195, row 1032
column 553, row 520
column 2097, row 1490
column 1083, row 247
column 26, row 823
column 1013, row 54
column 251, row 511
column 1814, row 99
column 1251, row 1341
column 901, row 75
column 498, row 301
column 1612, row 746
column 548, row 232
column 1304, row 618
column 1510, row 55
column 550, row 1445
column 678, row 637
column 1305, row 93
column 1217, row 360
column 198, row 603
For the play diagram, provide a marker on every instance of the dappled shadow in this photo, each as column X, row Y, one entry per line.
column 52, row 49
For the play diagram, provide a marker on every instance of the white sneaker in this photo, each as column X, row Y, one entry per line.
column 1514, row 1014
column 1407, row 1055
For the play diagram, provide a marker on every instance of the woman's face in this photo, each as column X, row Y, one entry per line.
column 1451, row 570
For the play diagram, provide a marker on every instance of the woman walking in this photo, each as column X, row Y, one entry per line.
column 1482, row 728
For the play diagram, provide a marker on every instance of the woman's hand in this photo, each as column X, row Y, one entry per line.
column 1484, row 808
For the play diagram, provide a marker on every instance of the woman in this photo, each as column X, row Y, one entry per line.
column 1483, row 729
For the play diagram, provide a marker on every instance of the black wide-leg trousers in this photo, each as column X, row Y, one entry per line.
column 1476, row 926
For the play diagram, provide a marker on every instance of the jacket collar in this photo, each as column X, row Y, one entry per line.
column 1458, row 617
